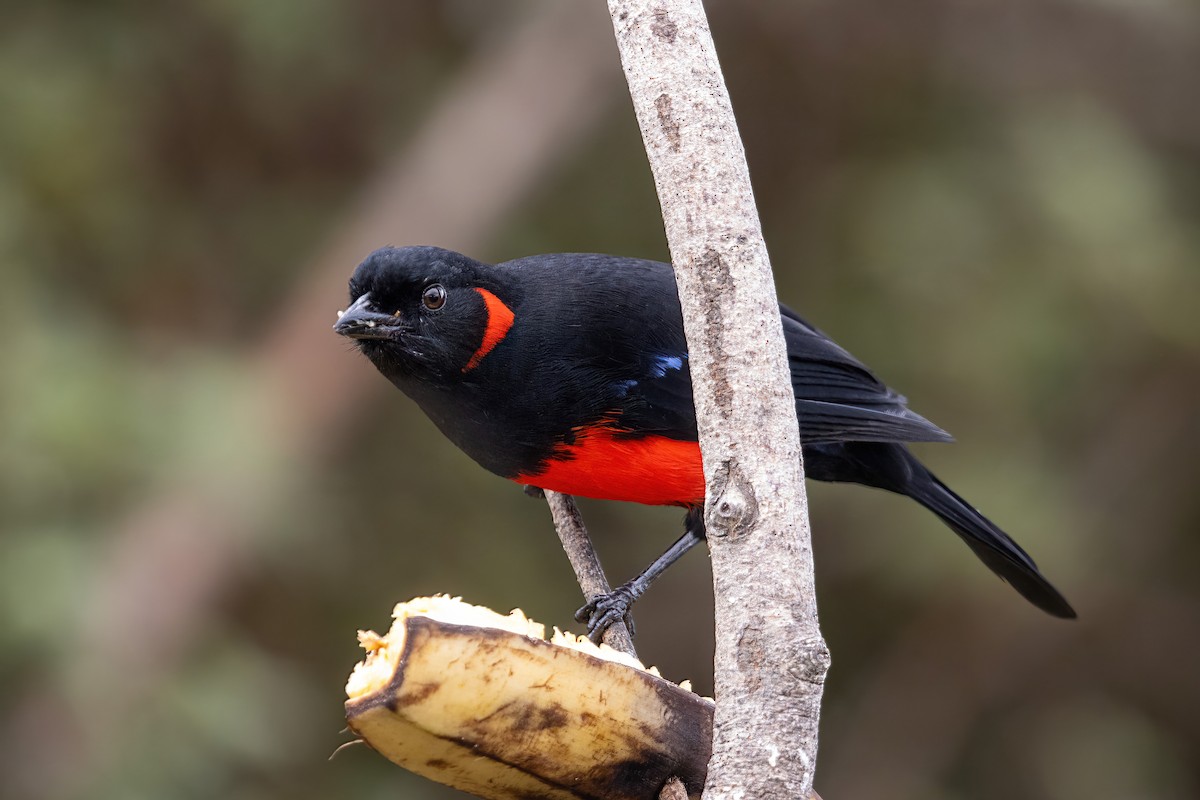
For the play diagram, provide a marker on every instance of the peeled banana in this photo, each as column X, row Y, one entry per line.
column 482, row 702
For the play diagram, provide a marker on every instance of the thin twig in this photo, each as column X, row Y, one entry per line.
column 568, row 522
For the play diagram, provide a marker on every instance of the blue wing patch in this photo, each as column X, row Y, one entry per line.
column 663, row 364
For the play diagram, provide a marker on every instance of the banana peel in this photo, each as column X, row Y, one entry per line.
column 482, row 702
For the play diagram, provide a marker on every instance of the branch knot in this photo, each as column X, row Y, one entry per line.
column 733, row 507
column 812, row 662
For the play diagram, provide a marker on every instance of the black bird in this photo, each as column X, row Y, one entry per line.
column 570, row 372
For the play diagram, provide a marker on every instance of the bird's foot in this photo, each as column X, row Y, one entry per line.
column 534, row 491
column 604, row 611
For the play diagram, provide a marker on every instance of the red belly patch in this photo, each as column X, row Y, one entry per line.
column 653, row 470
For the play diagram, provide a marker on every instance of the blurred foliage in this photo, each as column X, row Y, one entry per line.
column 994, row 204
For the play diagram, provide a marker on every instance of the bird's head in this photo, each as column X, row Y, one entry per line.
column 423, row 312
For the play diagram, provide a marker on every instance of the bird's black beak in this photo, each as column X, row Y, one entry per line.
column 362, row 321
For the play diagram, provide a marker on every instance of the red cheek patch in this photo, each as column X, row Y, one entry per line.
column 499, row 321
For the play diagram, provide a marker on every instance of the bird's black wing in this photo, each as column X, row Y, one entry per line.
column 839, row 400
column 632, row 365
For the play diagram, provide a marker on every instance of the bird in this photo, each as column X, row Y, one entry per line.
column 570, row 372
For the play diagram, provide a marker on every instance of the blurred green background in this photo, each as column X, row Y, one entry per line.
column 203, row 493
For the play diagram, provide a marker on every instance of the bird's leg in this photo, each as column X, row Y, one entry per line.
column 603, row 611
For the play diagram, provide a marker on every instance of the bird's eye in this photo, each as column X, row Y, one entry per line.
column 434, row 297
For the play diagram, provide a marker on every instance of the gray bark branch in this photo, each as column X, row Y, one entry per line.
column 771, row 659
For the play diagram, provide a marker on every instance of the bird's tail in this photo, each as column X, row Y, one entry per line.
column 992, row 545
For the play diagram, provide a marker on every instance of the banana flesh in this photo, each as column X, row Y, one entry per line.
column 482, row 702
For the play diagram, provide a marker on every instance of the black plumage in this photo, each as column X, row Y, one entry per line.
column 595, row 343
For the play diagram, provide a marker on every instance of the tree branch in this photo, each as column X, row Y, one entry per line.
column 770, row 657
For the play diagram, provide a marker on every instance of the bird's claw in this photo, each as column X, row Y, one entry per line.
column 602, row 612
